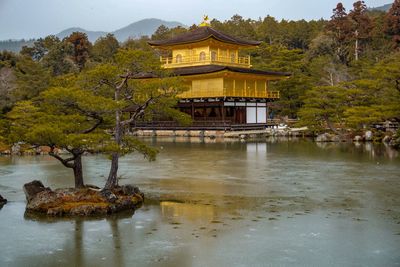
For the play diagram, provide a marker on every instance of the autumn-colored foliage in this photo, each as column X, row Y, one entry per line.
column 81, row 47
column 392, row 26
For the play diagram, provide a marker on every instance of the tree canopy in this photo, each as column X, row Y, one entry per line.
column 345, row 75
column 66, row 118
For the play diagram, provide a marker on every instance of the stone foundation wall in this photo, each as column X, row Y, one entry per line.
column 180, row 133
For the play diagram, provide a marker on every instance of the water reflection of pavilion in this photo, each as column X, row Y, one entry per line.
column 189, row 211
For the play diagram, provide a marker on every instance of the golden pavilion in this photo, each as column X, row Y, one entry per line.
column 223, row 88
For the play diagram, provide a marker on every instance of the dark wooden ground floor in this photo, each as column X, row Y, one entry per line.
column 233, row 112
column 218, row 114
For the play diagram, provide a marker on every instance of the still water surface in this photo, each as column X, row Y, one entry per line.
column 219, row 204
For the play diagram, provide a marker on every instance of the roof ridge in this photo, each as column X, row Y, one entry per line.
column 203, row 33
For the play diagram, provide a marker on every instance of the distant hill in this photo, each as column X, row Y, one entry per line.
column 384, row 8
column 142, row 28
column 92, row 35
column 134, row 30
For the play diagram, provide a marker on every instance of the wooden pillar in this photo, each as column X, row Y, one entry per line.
column 245, row 88
column 222, row 111
column 234, row 87
column 234, row 113
column 192, row 110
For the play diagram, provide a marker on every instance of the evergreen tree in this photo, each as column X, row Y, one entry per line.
column 323, row 108
column 40, row 47
column 138, row 44
column 161, row 33
column 63, row 118
column 105, row 48
column 31, row 79
column 164, row 32
column 140, row 99
column 281, row 59
column 58, row 59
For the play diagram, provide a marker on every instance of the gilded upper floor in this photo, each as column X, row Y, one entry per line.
column 204, row 46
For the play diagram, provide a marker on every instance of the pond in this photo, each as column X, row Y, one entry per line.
column 211, row 203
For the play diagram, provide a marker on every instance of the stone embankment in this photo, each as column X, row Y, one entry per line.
column 267, row 132
column 88, row 201
column 25, row 149
column 388, row 138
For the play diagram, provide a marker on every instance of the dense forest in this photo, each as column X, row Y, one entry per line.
column 345, row 71
column 15, row 45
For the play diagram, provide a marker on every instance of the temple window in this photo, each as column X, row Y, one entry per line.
column 233, row 57
column 178, row 58
column 202, row 56
column 213, row 56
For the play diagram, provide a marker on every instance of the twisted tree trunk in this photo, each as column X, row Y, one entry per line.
column 75, row 163
column 78, row 173
column 112, row 180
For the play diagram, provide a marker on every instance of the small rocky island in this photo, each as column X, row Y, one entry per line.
column 87, row 201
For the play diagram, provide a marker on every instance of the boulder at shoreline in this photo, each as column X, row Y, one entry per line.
column 326, row 137
column 3, row 201
column 88, row 201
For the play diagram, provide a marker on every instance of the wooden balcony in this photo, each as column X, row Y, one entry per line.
column 199, row 60
column 230, row 93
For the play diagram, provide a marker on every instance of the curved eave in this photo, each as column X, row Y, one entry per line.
column 201, row 34
column 210, row 69
column 168, row 45
column 191, row 71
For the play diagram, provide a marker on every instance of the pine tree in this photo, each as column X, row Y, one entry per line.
column 63, row 118
column 136, row 99
column 323, row 108
column 105, row 48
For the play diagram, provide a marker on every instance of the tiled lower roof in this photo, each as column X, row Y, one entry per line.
column 197, row 70
column 217, row 68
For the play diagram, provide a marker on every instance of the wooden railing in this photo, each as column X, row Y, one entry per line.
column 196, row 60
column 172, row 125
column 205, row 124
column 230, row 93
column 273, row 94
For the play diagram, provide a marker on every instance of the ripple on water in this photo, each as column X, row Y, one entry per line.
column 4, row 172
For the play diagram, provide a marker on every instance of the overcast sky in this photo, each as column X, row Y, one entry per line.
column 38, row 18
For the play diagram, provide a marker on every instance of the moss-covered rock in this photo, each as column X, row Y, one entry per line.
column 88, row 201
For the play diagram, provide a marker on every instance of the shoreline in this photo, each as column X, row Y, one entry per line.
column 367, row 136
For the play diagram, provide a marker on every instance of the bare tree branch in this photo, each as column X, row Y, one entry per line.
column 94, row 127
column 65, row 162
column 139, row 110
